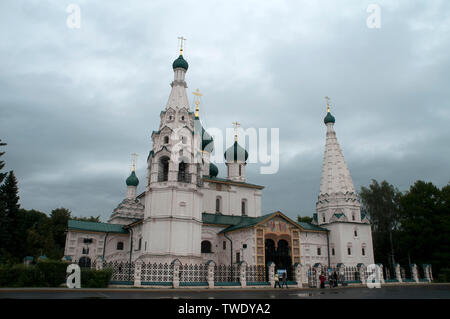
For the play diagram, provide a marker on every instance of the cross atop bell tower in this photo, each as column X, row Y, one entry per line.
column 181, row 44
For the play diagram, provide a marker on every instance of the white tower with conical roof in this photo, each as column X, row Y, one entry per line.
column 338, row 208
column 173, row 199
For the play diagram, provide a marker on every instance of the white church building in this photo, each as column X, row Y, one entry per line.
column 188, row 213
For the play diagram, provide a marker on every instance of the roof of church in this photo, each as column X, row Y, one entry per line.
column 230, row 182
column 96, row 227
column 239, row 222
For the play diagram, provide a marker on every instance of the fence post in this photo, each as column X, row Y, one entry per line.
column 176, row 273
column 99, row 263
column 398, row 273
column 426, row 272
column 381, row 273
column 242, row 273
column 211, row 265
column 414, row 274
column 137, row 273
column 271, row 266
column 362, row 273
column 298, row 274
column 430, row 273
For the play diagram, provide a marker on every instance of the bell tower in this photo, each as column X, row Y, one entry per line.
column 173, row 200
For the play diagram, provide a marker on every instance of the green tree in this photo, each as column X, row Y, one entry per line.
column 59, row 218
column 4, row 235
column 38, row 235
column 2, row 163
column 381, row 203
column 10, row 198
column 87, row 219
column 425, row 225
column 304, row 219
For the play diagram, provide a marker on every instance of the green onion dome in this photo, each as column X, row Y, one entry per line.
column 329, row 118
column 132, row 180
column 213, row 170
column 207, row 140
column 235, row 153
column 180, row 63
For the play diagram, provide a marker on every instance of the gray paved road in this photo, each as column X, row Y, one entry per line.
column 433, row 291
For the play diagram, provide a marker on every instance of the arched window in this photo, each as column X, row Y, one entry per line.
column 353, row 216
column 355, row 232
column 363, row 249
column 323, row 218
column 206, row 247
column 183, row 175
column 166, row 140
column 349, row 249
column 240, row 170
column 84, row 262
column 244, row 207
column 319, row 251
column 140, row 243
column 182, row 118
column 218, row 204
column 163, row 173
column 332, row 251
column 120, row 245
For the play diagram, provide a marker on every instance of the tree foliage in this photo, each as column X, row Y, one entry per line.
column 304, row 219
column 414, row 226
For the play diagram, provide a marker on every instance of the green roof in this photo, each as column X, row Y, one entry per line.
column 309, row 226
column 239, row 222
column 96, row 227
column 132, row 180
column 229, row 181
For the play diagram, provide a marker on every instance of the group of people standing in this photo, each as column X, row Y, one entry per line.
column 283, row 280
column 332, row 280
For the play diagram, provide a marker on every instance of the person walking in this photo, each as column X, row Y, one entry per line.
column 335, row 279
column 322, row 280
column 277, row 280
column 284, row 280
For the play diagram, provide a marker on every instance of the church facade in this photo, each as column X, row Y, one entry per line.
column 187, row 212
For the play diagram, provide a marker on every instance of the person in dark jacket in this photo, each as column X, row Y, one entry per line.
column 322, row 280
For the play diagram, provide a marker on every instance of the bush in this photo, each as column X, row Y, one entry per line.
column 50, row 273
column 20, row 276
column 53, row 273
column 444, row 275
column 91, row 278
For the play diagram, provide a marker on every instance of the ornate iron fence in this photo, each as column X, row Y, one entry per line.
column 193, row 273
column 226, row 273
column 154, row 273
column 351, row 274
column 121, row 271
column 255, row 273
column 312, row 277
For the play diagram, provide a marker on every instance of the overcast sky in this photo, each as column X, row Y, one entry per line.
column 75, row 103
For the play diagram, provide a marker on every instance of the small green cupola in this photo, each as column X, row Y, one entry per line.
column 132, row 180
column 329, row 118
column 180, row 62
column 236, row 153
column 213, row 170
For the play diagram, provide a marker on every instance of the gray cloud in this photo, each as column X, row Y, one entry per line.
column 76, row 103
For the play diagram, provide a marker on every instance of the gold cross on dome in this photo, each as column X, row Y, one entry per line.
column 328, row 103
column 236, row 128
column 197, row 101
column 134, row 161
column 181, row 44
